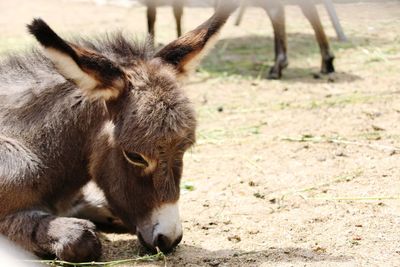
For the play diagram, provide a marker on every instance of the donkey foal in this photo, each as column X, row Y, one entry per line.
column 107, row 111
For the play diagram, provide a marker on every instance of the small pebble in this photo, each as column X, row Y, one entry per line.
column 258, row 195
column 234, row 238
column 377, row 128
column 251, row 183
column 253, row 232
column 213, row 262
column 319, row 249
column 340, row 153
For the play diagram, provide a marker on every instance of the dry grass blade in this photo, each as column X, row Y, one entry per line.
column 156, row 257
column 356, row 198
column 322, row 139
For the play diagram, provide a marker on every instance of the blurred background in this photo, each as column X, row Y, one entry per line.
column 298, row 171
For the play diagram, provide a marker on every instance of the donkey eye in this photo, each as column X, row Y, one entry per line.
column 135, row 159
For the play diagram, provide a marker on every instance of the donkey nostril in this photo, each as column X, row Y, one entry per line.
column 141, row 240
column 164, row 243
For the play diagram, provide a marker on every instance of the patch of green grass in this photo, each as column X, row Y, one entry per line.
column 334, row 101
column 187, row 186
column 218, row 134
column 252, row 56
column 240, row 56
column 340, row 100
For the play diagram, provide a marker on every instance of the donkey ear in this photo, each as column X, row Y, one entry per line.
column 97, row 76
column 185, row 53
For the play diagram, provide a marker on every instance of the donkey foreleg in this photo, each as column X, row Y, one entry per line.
column 68, row 239
column 21, row 221
column 151, row 18
column 311, row 13
column 242, row 9
column 276, row 13
column 330, row 8
column 178, row 12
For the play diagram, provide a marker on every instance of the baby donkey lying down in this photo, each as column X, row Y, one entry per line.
column 109, row 111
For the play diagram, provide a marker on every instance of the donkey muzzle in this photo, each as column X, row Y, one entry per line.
column 163, row 230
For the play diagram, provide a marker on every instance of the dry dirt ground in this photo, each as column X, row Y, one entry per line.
column 297, row 172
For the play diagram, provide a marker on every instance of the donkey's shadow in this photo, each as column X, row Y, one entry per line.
column 186, row 254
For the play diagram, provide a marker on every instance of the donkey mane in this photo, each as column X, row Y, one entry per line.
column 118, row 47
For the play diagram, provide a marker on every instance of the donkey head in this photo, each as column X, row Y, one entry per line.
column 137, row 157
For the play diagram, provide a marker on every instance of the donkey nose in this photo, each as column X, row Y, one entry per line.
column 166, row 244
column 162, row 230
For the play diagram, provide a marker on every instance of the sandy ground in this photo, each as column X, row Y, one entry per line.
column 297, row 172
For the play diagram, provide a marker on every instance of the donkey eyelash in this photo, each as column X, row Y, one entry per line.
column 135, row 159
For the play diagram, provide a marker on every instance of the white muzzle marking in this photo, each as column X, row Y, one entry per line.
column 163, row 221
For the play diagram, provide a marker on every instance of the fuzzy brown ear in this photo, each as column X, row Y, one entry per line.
column 185, row 53
column 97, row 76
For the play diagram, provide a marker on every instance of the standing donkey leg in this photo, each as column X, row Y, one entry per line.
column 276, row 12
column 151, row 18
column 178, row 12
column 311, row 13
column 242, row 9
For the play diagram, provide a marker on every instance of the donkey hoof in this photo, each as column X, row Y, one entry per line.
column 77, row 241
column 274, row 75
column 86, row 247
column 327, row 65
